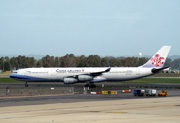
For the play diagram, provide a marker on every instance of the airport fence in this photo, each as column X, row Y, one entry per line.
column 36, row 91
column 61, row 89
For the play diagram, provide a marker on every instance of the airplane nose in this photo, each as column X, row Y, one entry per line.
column 13, row 75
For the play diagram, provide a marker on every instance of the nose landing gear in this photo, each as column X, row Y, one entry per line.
column 26, row 85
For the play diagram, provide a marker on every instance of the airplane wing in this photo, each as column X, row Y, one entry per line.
column 84, row 77
column 99, row 73
column 93, row 74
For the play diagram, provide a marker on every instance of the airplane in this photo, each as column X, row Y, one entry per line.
column 91, row 75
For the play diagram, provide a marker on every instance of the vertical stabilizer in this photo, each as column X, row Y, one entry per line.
column 158, row 60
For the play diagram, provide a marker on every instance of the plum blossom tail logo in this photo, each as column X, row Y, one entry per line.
column 157, row 60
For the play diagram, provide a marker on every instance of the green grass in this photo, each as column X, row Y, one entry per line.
column 155, row 80
column 167, row 75
column 143, row 80
column 10, row 80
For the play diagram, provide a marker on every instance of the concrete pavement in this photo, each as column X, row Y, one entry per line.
column 146, row 110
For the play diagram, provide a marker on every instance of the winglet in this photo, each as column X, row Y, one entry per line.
column 107, row 70
column 158, row 60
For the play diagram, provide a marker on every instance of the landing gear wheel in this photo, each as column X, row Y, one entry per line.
column 26, row 85
column 87, row 85
column 92, row 86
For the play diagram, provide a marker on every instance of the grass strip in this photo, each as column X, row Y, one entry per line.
column 143, row 80
column 155, row 80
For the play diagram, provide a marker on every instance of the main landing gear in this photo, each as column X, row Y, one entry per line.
column 90, row 85
column 26, row 85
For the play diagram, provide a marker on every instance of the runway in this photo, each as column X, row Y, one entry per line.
column 70, row 98
column 161, row 110
column 80, row 108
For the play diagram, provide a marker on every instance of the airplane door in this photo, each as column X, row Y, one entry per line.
column 138, row 71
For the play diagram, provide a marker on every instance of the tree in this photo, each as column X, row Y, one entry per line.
column 13, row 62
column 39, row 63
column 176, row 64
column 48, row 61
column 57, row 62
column 93, row 61
column 105, row 62
column 112, row 62
column 168, row 62
column 69, row 60
column 81, row 61
column 2, row 63
column 142, row 61
column 119, row 61
column 129, row 62
column 6, row 66
column 5, row 63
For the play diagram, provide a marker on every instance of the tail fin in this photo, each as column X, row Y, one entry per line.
column 158, row 60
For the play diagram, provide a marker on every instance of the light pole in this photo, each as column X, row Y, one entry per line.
column 140, row 55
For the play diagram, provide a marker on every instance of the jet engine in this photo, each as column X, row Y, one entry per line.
column 70, row 80
column 84, row 78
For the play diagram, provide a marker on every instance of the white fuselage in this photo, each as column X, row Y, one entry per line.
column 58, row 74
column 94, row 74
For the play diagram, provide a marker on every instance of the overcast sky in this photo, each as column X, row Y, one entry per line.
column 84, row 27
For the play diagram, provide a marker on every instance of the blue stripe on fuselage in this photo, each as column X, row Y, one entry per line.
column 30, row 78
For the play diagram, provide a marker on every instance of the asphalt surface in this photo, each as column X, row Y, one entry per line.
column 77, row 95
column 58, row 84
column 51, row 99
column 139, row 110
column 80, row 108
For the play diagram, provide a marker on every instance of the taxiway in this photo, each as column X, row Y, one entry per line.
column 161, row 110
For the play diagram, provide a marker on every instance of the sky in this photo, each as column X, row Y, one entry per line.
column 87, row 27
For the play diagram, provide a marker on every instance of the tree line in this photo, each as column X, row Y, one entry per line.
column 69, row 60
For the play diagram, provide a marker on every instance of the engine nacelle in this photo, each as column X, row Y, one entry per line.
column 84, row 78
column 70, row 80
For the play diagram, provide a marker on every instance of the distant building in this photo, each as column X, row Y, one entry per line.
column 170, row 71
column 14, row 71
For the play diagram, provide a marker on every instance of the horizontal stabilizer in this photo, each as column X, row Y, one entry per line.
column 156, row 70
